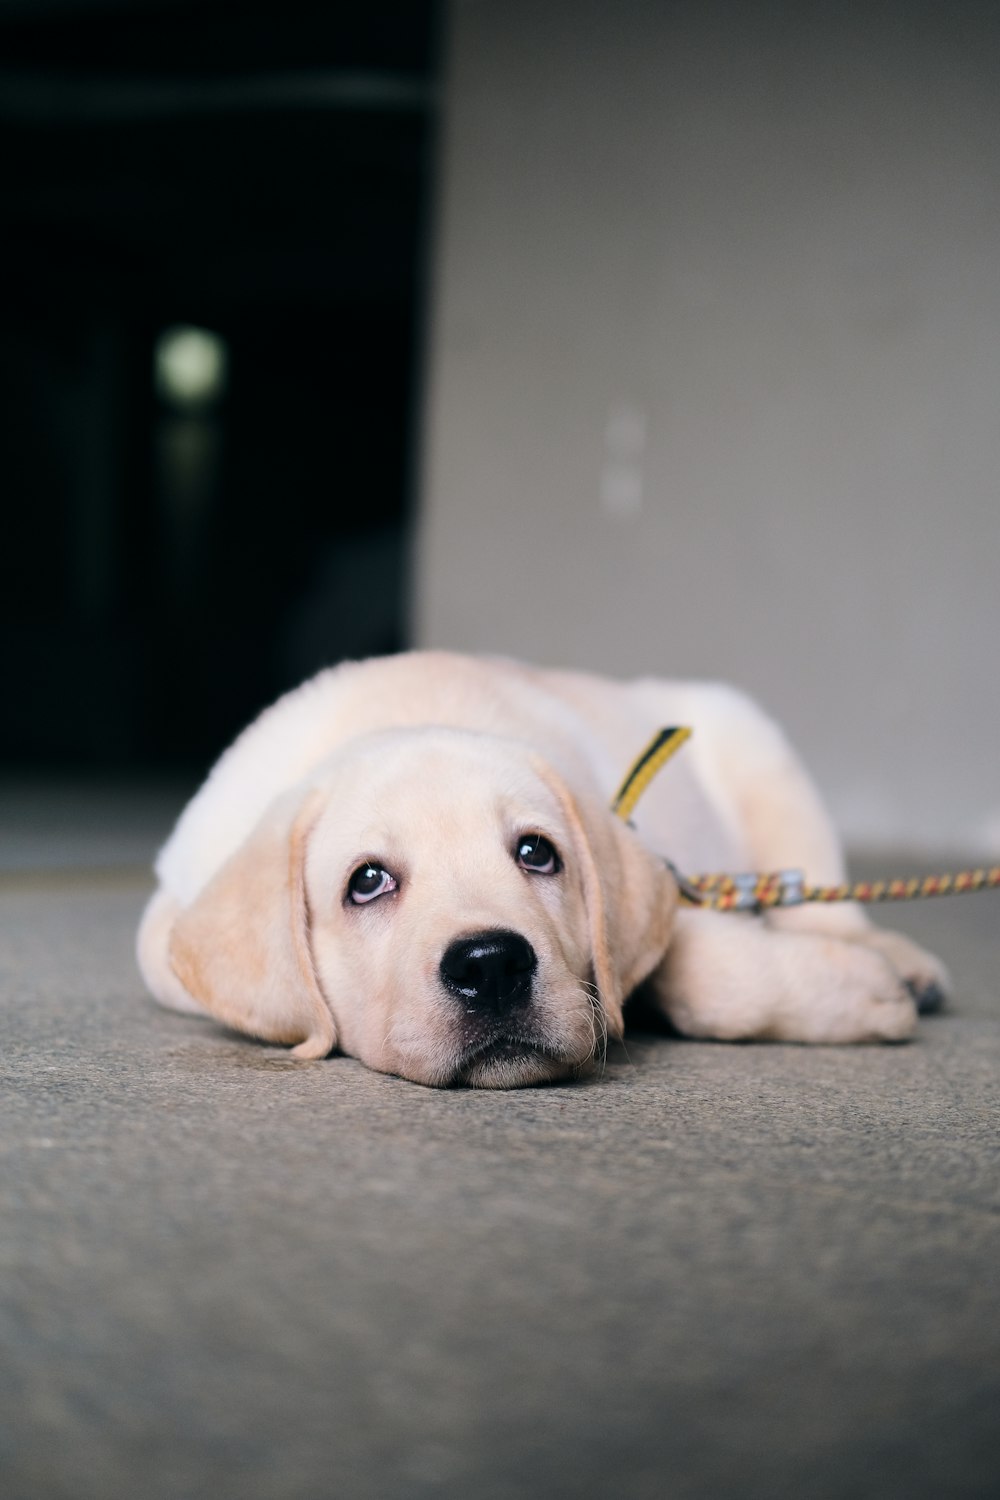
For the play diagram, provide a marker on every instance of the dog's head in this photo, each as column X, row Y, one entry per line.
column 438, row 904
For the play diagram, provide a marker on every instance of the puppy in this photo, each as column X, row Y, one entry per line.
column 413, row 859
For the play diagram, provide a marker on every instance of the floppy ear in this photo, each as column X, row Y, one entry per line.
column 242, row 947
column 630, row 897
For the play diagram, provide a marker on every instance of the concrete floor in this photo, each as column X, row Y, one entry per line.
column 717, row 1271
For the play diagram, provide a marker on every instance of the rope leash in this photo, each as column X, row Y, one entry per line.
column 756, row 892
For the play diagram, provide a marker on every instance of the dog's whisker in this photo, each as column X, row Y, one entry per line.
column 622, row 1045
column 594, row 1014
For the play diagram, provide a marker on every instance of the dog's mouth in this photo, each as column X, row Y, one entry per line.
column 510, row 1060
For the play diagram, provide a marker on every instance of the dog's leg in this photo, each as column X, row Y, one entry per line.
column 774, row 801
column 732, row 978
column 785, row 814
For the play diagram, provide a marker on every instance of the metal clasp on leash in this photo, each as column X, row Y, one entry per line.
column 793, row 887
column 757, row 894
column 745, row 892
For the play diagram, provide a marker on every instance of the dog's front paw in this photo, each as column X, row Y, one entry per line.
column 925, row 976
column 871, row 1003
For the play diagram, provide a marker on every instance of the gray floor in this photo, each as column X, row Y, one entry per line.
column 718, row 1271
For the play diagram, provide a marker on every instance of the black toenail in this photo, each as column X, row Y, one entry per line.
column 929, row 997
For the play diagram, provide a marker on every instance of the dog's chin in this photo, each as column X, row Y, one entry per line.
column 514, row 1063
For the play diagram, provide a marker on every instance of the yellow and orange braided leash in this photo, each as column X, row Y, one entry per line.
column 757, row 892
column 788, row 888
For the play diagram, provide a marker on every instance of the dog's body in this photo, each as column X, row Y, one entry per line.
column 413, row 858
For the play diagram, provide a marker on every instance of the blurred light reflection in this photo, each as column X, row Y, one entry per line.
column 191, row 366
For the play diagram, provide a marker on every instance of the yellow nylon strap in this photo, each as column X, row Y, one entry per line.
column 664, row 744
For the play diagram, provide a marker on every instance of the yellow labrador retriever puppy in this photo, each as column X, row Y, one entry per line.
column 413, row 860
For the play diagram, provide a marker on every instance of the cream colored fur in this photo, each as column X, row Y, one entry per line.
column 435, row 765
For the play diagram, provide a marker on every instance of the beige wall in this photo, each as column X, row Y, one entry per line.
column 714, row 380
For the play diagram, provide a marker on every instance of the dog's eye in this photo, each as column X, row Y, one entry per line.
column 535, row 853
column 369, row 881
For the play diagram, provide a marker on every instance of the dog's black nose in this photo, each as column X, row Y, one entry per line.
column 491, row 970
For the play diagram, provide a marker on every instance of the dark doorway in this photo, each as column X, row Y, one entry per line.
column 212, row 219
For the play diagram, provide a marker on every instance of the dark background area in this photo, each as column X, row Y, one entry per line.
column 261, row 172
